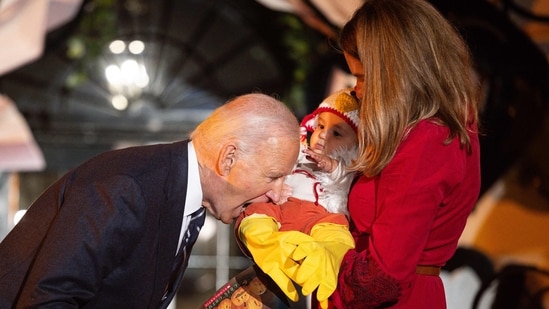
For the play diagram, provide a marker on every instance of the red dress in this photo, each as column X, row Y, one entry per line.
column 412, row 214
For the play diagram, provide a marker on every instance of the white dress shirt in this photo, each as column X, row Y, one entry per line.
column 193, row 201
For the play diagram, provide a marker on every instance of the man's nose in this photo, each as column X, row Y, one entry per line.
column 278, row 185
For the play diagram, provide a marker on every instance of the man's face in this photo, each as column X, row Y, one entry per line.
column 331, row 133
column 256, row 180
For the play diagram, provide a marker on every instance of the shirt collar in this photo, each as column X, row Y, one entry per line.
column 193, row 201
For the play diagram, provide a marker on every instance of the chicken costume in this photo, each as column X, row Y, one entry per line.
column 305, row 238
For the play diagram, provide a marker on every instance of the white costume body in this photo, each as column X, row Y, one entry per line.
column 329, row 190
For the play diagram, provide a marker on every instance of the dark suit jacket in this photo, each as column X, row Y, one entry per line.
column 103, row 236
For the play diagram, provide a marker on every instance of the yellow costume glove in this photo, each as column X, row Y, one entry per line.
column 320, row 260
column 271, row 249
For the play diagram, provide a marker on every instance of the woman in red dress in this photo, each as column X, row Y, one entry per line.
column 418, row 154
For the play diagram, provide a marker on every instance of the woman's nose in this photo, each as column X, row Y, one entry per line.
column 357, row 92
column 358, row 88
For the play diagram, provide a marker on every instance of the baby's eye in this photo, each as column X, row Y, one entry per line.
column 336, row 133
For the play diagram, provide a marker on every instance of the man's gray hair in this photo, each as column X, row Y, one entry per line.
column 251, row 120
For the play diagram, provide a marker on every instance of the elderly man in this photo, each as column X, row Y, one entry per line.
column 116, row 231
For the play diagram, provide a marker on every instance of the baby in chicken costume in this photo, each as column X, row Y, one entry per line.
column 305, row 237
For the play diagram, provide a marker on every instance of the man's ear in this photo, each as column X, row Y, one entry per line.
column 227, row 159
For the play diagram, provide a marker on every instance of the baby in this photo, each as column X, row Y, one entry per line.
column 312, row 222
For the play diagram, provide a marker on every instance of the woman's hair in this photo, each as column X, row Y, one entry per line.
column 244, row 120
column 416, row 66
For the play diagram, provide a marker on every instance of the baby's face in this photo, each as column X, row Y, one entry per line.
column 331, row 133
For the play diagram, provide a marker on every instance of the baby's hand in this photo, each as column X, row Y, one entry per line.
column 324, row 162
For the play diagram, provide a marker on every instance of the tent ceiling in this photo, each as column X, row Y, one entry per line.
column 82, row 96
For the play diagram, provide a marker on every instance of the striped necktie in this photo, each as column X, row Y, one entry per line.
column 182, row 257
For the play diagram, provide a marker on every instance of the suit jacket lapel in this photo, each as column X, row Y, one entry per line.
column 171, row 217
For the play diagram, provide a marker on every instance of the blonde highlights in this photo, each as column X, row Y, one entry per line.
column 416, row 67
